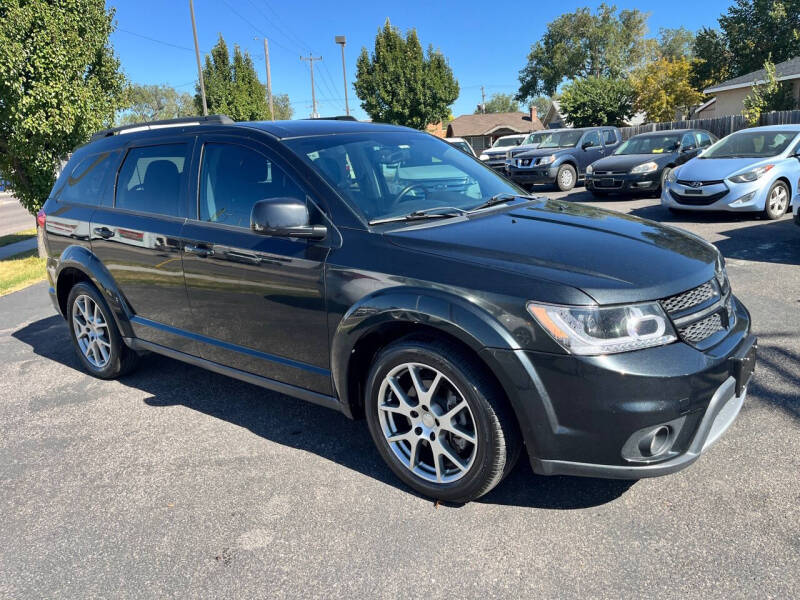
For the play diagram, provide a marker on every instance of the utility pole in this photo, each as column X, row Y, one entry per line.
column 311, row 59
column 339, row 39
column 269, row 82
column 199, row 66
column 483, row 100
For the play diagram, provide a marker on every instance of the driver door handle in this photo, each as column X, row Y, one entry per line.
column 201, row 251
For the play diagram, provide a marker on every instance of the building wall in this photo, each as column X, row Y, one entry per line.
column 730, row 102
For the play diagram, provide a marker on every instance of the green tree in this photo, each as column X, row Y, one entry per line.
column 581, row 44
column 59, row 83
column 400, row 84
column 761, row 30
column 663, row 88
column 154, row 102
column 767, row 96
column 674, row 44
column 282, row 106
column 233, row 88
column 542, row 105
column 712, row 59
column 501, row 103
column 597, row 101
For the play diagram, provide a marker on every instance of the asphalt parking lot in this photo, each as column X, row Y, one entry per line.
column 179, row 482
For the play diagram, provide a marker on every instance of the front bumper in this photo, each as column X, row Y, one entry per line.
column 624, row 182
column 716, row 196
column 535, row 174
column 578, row 415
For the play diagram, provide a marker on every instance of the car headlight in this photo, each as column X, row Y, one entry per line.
column 751, row 175
column 647, row 167
column 484, row 157
column 546, row 160
column 592, row 330
column 589, row 170
column 673, row 176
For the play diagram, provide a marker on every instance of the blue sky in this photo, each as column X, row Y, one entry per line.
column 484, row 46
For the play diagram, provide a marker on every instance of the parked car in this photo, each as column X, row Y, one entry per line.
column 531, row 142
column 643, row 162
column 563, row 155
column 461, row 144
column 796, row 209
column 495, row 156
column 753, row 170
column 463, row 323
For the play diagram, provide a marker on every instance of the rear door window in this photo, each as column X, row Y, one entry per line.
column 153, row 179
column 610, row 137
column 592, row 139
column 88, row 180
column 688, row 141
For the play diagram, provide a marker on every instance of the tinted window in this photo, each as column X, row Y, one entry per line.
column 609, row 137
column 562, row 139
column 757, row 143
column 152, row 179
column 233, row 178
column 703, row 139
column 86, row 182
column 688, row 140
column 592, row 139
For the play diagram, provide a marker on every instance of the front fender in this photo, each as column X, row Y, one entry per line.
column 82, row 259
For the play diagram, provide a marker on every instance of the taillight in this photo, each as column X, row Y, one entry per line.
column 41, row 218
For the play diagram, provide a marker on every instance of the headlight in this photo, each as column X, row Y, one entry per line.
column 589, row 170
column 673, row 176
column 647, row 167
column 484, row 157
column 591, row 330
column 752, row 175
column 546, row 160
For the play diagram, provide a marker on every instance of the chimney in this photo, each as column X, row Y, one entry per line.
column 534, row 113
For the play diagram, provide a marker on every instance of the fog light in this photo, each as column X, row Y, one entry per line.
column 656, row 442
column 744, row 199
column 653, row 443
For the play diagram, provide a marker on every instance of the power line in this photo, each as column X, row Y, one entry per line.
column 147, row 37
column 256, row 29
column 287, row 34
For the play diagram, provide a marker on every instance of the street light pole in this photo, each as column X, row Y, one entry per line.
column 199, row 66
column 340, row 39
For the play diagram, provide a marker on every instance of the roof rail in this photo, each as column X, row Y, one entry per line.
column 183, row 121
column 336, row 118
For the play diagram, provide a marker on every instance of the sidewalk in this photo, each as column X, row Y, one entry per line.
column 17, row 248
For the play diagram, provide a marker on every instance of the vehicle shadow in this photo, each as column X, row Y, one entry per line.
column 304, row 426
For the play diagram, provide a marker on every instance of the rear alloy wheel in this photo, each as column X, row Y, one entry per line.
column 566, row 177
column 777, row 201
column 438, row 421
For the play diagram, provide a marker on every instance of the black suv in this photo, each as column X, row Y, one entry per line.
column 563, row 156
column 380, row 272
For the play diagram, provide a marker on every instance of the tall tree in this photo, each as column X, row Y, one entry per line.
column 712, row 59
column 674, row 44
column 597, row 101
column 663, row 89
column 501, row 103
column 608, row 43
column 400, row 84
column 154, row 102
column 233, row 88
column 59, row 82
column 758, row 29
column 542, row 105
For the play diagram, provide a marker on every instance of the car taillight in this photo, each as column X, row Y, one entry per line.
column 41, row 219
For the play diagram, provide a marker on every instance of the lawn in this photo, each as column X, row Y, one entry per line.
column 20, row 270
column 13, row 238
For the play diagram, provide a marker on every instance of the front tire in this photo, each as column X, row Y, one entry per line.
column 566, row 177
column 439, row 421
column 777, row 201
column 95, row 336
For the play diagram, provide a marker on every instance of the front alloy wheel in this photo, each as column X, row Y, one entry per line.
column 777, row 201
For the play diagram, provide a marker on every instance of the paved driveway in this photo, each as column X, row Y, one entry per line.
column 180, row 482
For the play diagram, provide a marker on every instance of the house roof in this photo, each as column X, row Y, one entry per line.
column 789, row 69
column 486, row 124
column 705, row 105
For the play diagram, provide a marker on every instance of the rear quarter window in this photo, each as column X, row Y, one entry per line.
column 88, row 180
column 152, row 180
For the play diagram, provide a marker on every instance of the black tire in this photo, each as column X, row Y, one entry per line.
column 778, row 211
column 121, row 359
column 566, row 177
column 495, row 427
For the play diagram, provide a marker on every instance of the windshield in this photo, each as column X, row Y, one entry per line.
column 751, row 144
column 561, row 139
column 650, row 144
column 534, row 138
column 504, row 142
column 463, row 146
column 387, row 174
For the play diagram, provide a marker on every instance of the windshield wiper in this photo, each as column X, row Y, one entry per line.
column 437, row 212
column 500, row 199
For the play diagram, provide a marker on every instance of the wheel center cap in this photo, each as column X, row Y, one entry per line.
column 428, row 420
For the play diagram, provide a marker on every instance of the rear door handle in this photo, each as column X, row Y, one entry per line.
column 103, row 232
column 201, row 251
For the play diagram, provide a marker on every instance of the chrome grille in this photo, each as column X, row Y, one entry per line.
column 700, row 330
column 687, row 300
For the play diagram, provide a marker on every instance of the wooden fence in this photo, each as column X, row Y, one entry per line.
column 720, row 126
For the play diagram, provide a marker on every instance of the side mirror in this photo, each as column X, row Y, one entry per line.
column 586, row 145
column 284, row 217
column 688, row 149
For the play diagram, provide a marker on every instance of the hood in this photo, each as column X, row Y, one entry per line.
column 625, row 162
column 546, row 151
column 493, row 151
column 612, row 257
column 713, row 169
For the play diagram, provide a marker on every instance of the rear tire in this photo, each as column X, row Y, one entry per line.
column 566, row 177
column 439, row 420
column 95, row 336
column 777, row 201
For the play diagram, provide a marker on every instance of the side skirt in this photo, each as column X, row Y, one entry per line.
column 264, row 382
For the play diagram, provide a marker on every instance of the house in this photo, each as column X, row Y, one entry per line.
column 729, row 95
column 553, row 119
column 481, row 130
